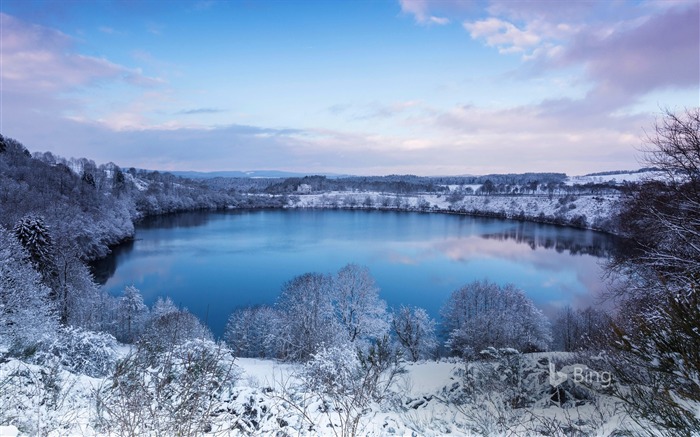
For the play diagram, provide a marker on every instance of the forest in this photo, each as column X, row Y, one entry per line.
column 159, row 371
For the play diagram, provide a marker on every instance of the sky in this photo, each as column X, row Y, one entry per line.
column 365, row 87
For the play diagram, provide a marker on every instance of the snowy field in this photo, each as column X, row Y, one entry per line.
column 429, row 399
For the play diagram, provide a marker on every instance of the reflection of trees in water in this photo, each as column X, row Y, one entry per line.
column 576, row 242
column 176, row 220
column 104, row 268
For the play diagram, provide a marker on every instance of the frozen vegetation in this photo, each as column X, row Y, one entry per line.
column 329, row 357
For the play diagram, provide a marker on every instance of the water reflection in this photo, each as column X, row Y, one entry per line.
column 172, row 221
column 574, row 241
column 105, row 268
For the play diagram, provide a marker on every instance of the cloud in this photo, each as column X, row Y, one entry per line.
column 502, row 34
column 44, row 76
column 458, row 141
column 419, row 10
column 663, row 51
column 373, row 110
column 622, row 51
column 37, row 59
column 200, row 111
column 548, row 11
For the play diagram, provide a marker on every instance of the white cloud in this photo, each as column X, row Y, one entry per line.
column 419, row 10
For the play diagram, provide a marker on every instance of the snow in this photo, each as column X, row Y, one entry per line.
column 619, row 178
column 269, row 399
column 140, row 184
column 8, row 431
column 259, row 373
column 428, row 377
column 422, row 378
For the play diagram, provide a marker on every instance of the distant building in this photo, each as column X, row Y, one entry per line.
column 304, row 189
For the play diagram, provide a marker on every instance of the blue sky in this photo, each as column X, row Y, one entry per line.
column 361, row 87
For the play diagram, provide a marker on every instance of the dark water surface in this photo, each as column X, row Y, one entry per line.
column 213, row 262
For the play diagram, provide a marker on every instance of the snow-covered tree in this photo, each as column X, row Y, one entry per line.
column 163, row 307
column 483, row 314
column 253, row 332
column 360, row 311
column 415, row 332
column 33, row 234
column 132, row 314
column 307, row 319
column 26, row 315
column 75, row 290
column 31, row 231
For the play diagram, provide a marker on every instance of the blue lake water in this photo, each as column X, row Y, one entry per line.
column 213, row 262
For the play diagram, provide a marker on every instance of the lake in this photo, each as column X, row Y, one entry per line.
column 214, row 262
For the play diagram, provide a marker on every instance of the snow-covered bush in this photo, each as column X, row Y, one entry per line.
column 346, row 383
column 172, row 328
column 505, row 392
column 80, row 351
column 333, row 371
column 40, row 400
column 178, row 394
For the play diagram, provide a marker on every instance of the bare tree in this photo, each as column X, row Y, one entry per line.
column 662, row 218
column 657, row 336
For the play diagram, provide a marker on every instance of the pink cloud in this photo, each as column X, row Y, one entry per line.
column 663, row 51
column 37, row 59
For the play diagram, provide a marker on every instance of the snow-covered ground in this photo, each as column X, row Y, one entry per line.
column 429, row 399
column 614, row 177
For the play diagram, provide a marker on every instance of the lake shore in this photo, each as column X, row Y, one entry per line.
column 595, row 212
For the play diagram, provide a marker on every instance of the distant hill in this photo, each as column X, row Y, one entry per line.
column 247, row 174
